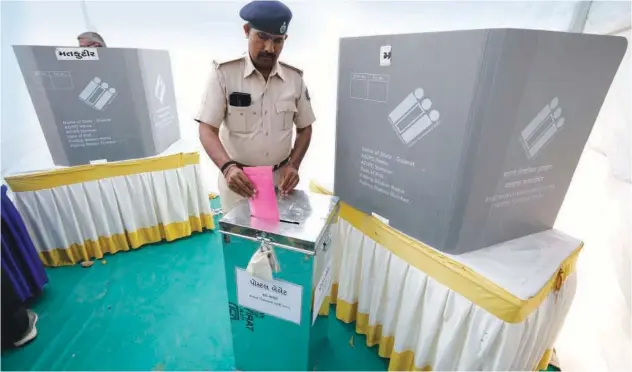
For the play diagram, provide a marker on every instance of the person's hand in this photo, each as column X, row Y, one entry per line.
column 238, row 182
column 289, row 179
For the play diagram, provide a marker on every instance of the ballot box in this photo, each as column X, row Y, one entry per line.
column 275, row 323
column 97, row 104
column 466, row 139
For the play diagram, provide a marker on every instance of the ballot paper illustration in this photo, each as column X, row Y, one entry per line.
column 97, row 94
column 413, row 118
column 52, row 80
column 541, row 130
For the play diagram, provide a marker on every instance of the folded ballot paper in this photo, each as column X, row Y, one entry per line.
column 264, row 204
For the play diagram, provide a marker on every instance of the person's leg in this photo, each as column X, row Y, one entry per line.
column 18, row 323
column 277, row 177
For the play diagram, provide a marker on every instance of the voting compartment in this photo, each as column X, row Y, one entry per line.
column 101, row 103
column 275, row 323
column 465, row 139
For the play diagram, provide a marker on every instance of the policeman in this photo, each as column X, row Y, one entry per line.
column 251, row 106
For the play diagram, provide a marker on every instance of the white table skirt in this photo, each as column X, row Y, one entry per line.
column 499, row 308
column 422, row 324
column 80, row 213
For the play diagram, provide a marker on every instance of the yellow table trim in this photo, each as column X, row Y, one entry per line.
column 399, row 361
column 92, row 172
column 454, row 275
column 91, row 249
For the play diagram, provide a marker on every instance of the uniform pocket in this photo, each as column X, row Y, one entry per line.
column 240, row 119
column 285, row 112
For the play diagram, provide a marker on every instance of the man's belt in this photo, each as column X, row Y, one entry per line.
column 240, row 165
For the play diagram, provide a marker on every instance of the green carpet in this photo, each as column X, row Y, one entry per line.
column 160, row 307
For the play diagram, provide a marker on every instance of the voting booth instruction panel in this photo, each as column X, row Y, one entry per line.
column 275, row 323
column 101, row 103
column 465, row 139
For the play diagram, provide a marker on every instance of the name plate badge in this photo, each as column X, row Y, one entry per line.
column 77, row 54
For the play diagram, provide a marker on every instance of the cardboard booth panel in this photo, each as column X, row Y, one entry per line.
column 101, row 103
column 465, row 139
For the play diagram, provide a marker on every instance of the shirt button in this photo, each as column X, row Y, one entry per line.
column 266, row 153
column 266, row 133
column 266, row 112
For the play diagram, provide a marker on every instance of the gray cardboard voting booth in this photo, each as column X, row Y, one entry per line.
column 101, row 103
column 464, row 139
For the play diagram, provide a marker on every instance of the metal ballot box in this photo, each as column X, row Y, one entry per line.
column 275, row 324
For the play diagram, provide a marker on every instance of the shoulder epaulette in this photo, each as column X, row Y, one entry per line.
column 221, row 63
column 300, row 72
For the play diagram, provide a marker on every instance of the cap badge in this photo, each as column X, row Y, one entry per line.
column 283, row 28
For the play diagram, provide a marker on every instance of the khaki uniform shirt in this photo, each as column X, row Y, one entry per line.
column 260, row 134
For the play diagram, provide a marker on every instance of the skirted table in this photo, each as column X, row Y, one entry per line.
column 79, row 213
column 499, row 308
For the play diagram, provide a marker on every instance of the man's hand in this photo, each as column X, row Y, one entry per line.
column 289, row 179
column 239, row 182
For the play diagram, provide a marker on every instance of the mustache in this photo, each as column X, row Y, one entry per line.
column 266, row 55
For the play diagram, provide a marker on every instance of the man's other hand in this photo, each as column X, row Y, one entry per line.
column 239, row 182
column 289, row 179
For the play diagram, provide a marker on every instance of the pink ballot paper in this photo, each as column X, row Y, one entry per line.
column 264, row 203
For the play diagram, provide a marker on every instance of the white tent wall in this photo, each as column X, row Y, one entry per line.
column 197, row 32
column 597, row 208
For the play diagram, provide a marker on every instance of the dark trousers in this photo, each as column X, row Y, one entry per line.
column 15, row 321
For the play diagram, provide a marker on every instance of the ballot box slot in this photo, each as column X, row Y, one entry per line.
column 290, row 222
column 284, row 221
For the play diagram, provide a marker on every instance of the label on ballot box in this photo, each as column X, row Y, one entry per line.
column 273, row 297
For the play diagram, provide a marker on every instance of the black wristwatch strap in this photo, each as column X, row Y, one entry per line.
column 228, row 164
